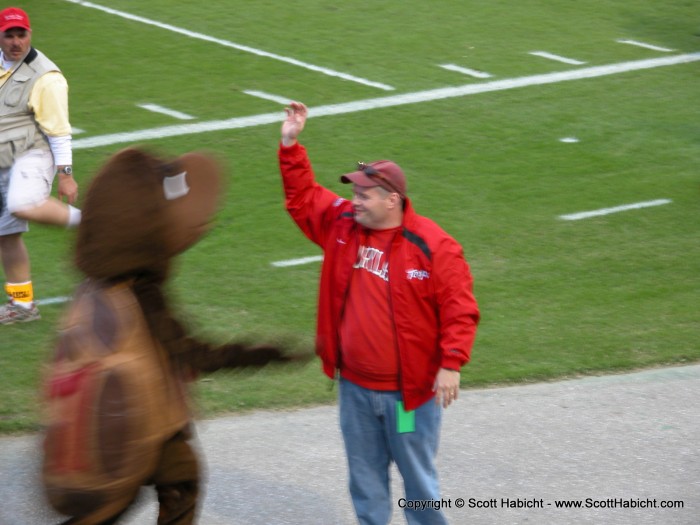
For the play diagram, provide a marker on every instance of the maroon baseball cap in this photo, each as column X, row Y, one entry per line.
column 384, row 173
column 14, row 17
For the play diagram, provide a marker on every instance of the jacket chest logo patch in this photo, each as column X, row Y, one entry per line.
column 417, row 274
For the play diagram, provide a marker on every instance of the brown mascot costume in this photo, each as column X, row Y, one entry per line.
column 117, row 409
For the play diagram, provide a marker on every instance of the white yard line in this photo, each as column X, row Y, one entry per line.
column 385, row 102
column 53, row 300
column 616, row 209
column 297, row 262
column 465, row 71
column 267, row 96
column 558, row 58
column 155, row 108
column 239, row 47
column 642, row 44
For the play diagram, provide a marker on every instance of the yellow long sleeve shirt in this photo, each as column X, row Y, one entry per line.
column 49, row 102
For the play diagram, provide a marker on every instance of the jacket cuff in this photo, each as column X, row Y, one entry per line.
column 290, row 149
column 451, row 363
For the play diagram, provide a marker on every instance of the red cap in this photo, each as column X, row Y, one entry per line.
column 384, row 173
column 14, row 17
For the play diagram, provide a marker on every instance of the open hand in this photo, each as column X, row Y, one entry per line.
column 294, row 123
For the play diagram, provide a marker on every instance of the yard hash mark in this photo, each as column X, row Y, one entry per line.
column 616, row 209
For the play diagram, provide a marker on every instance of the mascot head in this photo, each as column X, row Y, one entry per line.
column 141, row 210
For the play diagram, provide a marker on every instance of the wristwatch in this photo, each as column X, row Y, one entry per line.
column 66, row 170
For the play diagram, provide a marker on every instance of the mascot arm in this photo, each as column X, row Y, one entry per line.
column 235, row 355
column 190, row 352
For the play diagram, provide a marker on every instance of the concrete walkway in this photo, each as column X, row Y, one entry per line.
column 624, row 446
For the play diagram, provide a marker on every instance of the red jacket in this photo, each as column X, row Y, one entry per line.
column 434, row 310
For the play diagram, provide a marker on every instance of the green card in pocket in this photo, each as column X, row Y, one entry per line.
column 405, row 421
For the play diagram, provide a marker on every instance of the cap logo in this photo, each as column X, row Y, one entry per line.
column 175, row 186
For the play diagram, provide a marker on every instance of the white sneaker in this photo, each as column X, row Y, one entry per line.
column 12, row 313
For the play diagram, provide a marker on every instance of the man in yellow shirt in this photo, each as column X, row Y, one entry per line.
column 35, row 145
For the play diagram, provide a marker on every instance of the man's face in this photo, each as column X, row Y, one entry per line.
column 15, row 43
column 371, row 206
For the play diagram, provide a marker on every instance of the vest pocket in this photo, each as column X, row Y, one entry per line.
column 6, row 155
column 15, row 89
column 15, row 146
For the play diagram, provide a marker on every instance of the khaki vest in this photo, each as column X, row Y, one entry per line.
column 19, row 131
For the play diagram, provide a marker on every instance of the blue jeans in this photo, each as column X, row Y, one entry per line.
column 372, row 442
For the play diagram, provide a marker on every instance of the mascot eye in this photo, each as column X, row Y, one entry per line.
column 175, row 186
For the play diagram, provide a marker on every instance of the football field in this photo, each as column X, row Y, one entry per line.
column 558, row 142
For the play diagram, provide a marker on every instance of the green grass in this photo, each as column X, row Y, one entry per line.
column 558, row 298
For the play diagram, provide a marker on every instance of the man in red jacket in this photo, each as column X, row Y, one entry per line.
column 396, row 321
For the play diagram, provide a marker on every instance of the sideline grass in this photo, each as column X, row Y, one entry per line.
column 558, row 298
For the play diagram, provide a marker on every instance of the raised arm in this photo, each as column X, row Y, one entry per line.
column 294, row 123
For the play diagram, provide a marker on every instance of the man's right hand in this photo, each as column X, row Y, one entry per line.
column 294, row 123
column 68, row 188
